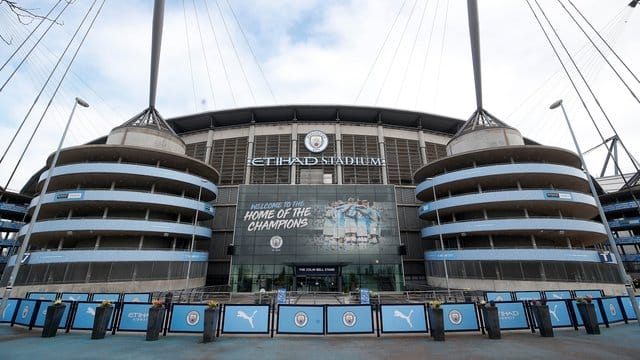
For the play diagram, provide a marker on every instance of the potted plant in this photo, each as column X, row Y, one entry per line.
column 53, row 318
column 491, row 320
column 542, row 316
column 210, row 321
column 101, row 319
column 588, row 314
column 436, row 320
column 155, row 319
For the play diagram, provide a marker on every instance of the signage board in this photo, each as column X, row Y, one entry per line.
column 25, row 312
column 528, row 295
column 9, row 310
column 557, row 294
column 113, row 297
column 460, row 317
column 349, row 319
column 42, row 296
column 512, row 315
column 403, row 318
column 42, row 315
column 243, row 319
column 559, row 313
column 498, row 296
column 187, row 318
column 137, row 297
column 85, row 313
column 74, row 296
column 300, row 319
column 134, row 317
column 612, row 309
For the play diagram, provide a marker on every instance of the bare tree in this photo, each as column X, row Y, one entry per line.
column 24, row 15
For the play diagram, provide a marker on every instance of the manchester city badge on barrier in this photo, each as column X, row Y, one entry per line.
column 612, row 309
column 26, row 309
column 349, row 319
column 460, row 317
column 187, row 318
column 300, row 319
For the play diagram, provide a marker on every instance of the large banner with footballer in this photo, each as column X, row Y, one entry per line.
column 316, row 224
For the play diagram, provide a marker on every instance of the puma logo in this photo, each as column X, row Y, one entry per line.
column 553, row 312
column 407, row 318
column 243, row 315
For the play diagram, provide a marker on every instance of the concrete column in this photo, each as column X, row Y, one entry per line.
column 338, row 135
column 422, row 141
column 294, row 149
column 250, row 140
column 383, row 154
column 207, row 155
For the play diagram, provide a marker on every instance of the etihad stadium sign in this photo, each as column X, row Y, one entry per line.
column 316, row 142
column 314, row 160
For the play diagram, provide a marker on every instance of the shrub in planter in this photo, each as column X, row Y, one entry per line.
column 588, row 314
column 155, row 320
column 491, row 319
column 436, row 320
column 101, row 319
column 211, row 315
column 53, row 318
column 543, row 318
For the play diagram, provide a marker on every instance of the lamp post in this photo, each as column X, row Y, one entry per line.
column 193, row 234
column 36, row 211
column 444, row 257
column 612, row 243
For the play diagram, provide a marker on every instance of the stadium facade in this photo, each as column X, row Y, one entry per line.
column 319, row 198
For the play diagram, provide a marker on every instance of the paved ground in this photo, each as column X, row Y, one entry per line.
column 618, row 342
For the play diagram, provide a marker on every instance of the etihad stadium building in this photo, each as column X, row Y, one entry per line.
column 315, row 198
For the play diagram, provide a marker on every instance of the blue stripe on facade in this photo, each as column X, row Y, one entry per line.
column 117, row 225
column 627, row 240
column 500, row 170
column 516, row 254
column 624, row 223
column 498, row 225
column 130, row 197
column 620, row 206
column 505, row 196
column 73, row 256
column 131, row 169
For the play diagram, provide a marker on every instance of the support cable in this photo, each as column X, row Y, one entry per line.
column 251, row 50
column 375, row 61
column 600, row 52
column 30, row 34
column 224, row 66
column 204, row 54
column 444, row 34
column 59, row 83
column 606, row 43
column 235, row 51
column 193, row 81
column 42, row 89
column 33, row 47
column 395, row 52
column 571, row 79
column 413, row 47
column 593, row 95
column 426, row 54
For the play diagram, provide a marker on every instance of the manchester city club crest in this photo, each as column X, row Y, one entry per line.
column 25, row 311
column 316, row 141
column 301, row 319
column 276, row 242
column 455, row 317
column 349, row 319
column 612, row 310
column 193, row 317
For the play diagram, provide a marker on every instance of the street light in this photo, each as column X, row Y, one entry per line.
column 36, row 211
column 444, row 257
column 612, row 243
column 193, row 233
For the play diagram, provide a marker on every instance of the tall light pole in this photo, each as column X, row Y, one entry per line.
column 36, row 211
column 444, row 257
column 612, row 243
column 193, row 234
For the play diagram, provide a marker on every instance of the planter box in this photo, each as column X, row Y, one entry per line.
column 52, row 320
column 436, row 320
column 543, row 320
column 154, row 323
column 210, row 325
column 101, row 322
column 491, row 321
column 589, row 319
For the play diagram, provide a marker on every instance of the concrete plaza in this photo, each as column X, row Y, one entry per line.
column 621, row 341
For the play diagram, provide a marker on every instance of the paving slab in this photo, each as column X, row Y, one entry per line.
column 621, row 341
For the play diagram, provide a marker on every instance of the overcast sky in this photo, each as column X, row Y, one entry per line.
column 412, row 55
